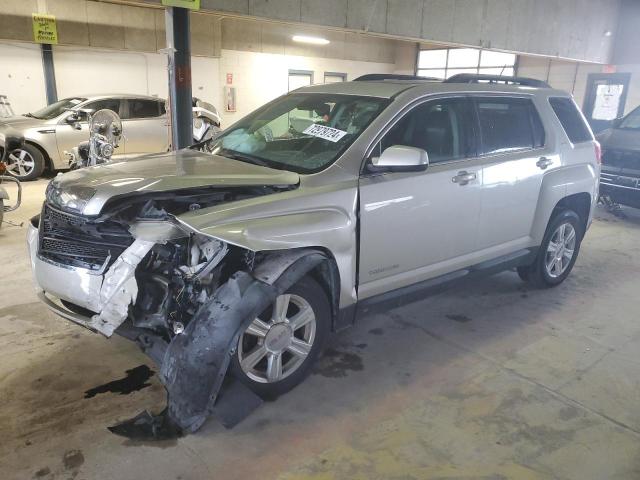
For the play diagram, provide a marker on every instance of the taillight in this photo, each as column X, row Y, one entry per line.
column 598, row 152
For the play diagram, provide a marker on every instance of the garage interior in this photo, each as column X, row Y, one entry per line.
column 490, row 379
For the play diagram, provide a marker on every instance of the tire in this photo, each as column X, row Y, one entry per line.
column 554, row 262
column 265, row 338
column 25, row 163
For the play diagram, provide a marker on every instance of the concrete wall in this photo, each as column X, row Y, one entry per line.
column 571, row 29
column 21, row 77
column 572, row 76
column 626, row 50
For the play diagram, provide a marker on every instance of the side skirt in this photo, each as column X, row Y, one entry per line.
column 417, row 291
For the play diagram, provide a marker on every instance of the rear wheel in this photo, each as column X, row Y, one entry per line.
column 25, row 163
column 558, row 251
column 276, row 352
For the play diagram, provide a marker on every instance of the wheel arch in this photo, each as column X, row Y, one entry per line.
column 48, row 162
column 579, row 203
column 326, row 272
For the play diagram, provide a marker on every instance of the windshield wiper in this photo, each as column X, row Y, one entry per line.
column 243, row 157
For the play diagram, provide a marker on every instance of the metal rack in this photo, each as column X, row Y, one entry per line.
column 5, row 107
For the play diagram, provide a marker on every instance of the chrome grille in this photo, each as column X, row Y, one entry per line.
column 80, row 241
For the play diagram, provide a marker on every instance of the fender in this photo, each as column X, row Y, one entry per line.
column 282, row 223
column 558, row 184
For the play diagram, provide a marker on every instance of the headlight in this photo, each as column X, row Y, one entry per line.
column 73, row 198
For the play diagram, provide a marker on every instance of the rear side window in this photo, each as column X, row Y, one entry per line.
column 571, row 120
column 508, row 124
column 140, row 108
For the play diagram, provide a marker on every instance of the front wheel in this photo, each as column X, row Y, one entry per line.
column 558, row 251
column 25, row 163
column 276, row 352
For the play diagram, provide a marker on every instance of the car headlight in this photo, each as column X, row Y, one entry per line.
column 73, row 198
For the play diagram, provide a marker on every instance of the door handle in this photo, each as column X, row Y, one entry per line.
column 544, row 162
column 463, row 178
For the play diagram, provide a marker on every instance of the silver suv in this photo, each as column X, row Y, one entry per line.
column 297, row 218
column 61, row 126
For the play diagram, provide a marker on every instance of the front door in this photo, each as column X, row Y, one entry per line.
column 605, row 99
column 69, row 135
column 418, row 225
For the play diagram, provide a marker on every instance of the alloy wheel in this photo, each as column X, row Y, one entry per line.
column 561, row 249
column 276, row 345
column 20, row 163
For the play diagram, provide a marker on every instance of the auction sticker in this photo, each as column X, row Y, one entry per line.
column 326, row 133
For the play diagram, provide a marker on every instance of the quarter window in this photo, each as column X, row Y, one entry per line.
column 441, row 128
column 571, row 120
column 508, row 124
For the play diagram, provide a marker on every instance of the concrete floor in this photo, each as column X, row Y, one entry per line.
column 488, row 381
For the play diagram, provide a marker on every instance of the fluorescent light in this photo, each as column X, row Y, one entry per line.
column 314, row 40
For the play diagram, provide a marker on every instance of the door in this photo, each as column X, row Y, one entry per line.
column 68, row 136
column 605, row 98
column 145, row 126
column 512, row 146
column 418, row 225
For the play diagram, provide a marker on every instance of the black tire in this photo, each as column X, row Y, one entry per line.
column 313, row 293
column 537, row 274
column 38, row 163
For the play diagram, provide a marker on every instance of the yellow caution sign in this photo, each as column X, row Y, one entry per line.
column 44, row 28
column 190, row 4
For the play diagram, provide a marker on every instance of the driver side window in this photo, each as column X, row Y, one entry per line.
column 443, row 128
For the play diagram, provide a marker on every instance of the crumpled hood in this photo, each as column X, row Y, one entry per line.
column 166, row 172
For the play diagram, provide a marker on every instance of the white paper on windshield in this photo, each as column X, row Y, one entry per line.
column 326, row 133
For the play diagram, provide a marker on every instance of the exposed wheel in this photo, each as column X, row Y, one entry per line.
column 25, row 163
column 558, row 252
column 278, row 349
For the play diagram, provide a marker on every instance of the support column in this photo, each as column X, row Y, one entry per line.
column 49, row 73
column 180, row 98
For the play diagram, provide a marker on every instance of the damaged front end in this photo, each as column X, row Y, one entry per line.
column 182, row 296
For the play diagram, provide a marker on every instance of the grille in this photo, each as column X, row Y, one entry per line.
column 80, row 241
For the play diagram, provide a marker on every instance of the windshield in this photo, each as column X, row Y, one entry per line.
column 55, row 109
column 631, row 121
column 302, row 132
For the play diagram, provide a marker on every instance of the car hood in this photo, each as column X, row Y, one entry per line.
column 620, row 139
column 179, row 170
column 20, row 121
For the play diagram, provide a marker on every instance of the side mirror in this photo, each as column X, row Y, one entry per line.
column 401, row 158
column 73, row 118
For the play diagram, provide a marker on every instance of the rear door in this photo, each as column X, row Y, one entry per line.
column 145, row 126
column 418, row 225
column 515, row 157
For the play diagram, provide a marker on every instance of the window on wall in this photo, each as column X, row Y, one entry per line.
column 446, row 62
column 334, row 77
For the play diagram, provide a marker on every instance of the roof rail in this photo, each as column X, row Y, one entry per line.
column 392, row 76
column 478, row 78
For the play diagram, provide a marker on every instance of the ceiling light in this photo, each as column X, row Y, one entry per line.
column 608, row 33
column 313, row 40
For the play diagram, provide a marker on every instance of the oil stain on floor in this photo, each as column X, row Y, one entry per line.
column 135, row 379
column 336, row 363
